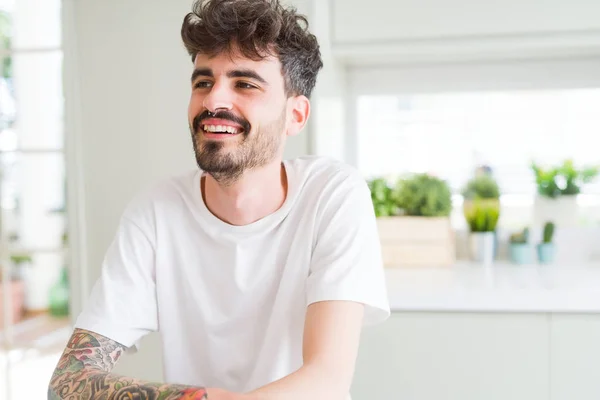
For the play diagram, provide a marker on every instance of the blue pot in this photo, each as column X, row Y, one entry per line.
column 545, row 252
column 521, row 253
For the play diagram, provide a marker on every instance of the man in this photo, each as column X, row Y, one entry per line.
column 258, row 272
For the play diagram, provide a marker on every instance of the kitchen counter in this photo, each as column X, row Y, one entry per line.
column 503, row 287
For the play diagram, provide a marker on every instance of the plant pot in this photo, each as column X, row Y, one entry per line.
column 17, row 291
column 482, row 247
column 417, row 241
column 545, row 253
column 520, row 253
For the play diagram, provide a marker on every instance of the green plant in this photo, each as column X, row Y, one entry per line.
column 548, row 232
column 482, row 215
column 481, row 187
column 381, row 196
column 20, row 258
column 520, row 237
column 5, row 41
column 562, row 180
column 423, row 195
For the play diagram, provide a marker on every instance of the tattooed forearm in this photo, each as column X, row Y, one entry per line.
column 103, row 385
column 83, row 372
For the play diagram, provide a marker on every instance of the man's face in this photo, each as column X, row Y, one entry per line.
column 250, row 113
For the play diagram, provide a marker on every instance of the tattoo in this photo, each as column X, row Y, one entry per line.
column 83, row 372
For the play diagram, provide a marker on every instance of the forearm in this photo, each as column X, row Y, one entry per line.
column 97, row 384
column 308, row 382
column 84, row 372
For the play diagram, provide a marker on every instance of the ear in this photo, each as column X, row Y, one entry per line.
column 300, row 111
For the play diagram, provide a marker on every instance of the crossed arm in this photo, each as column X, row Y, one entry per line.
column 83, row 372
column 331, row 337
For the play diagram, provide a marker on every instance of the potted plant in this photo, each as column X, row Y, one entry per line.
column 413, row 220
column 546, row 249
column 481, row 208
column 557, row 189
column 482, row 218
column 381, row 196
column 482, row 186
column 519, row 247
column 20, row 262
column 422, row 195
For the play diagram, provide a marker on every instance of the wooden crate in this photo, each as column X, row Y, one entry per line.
column 417, row 241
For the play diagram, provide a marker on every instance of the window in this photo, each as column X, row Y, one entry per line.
column 449, row 134
column 449, row 118
column 32, row 178
column 31, row 125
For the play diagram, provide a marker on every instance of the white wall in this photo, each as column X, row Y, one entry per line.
column 126, row 79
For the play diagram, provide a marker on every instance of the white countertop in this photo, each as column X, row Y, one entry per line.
column 503, row 287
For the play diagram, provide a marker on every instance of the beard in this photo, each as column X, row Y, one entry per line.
column 251, row 151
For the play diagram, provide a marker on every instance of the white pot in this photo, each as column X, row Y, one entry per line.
column 481, row 246
column 563, row 211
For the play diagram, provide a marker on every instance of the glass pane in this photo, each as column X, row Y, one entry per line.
column 6, row 27
column 33, row 195
column 7, row 105
column 37, row 82
column 36, row 24
column 450, row 134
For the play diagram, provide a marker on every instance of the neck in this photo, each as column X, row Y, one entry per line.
column 256, row 194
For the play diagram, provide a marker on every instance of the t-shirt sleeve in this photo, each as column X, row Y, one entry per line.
column 122, row 305
column 347, row 262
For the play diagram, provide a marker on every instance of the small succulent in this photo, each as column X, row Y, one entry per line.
column 520, row 237
column 548, row 232
column 482, row 215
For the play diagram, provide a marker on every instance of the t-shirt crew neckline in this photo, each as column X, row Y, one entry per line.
column 262, row 224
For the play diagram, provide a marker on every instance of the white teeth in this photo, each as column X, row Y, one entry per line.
column 220, row 128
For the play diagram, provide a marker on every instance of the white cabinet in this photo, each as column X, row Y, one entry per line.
column 358, row 21
column 575, row 357
column 462, row 356
column 384, row 32
column 474, row 356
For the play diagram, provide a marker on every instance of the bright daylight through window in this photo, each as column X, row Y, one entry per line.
column 32, row 190
column 448, row 134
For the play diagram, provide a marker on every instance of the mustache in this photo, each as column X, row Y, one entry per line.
column 226, row 115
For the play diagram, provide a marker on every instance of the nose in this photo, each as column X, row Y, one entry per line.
column 219, row 97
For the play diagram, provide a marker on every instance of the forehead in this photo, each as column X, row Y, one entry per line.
column 269, row 68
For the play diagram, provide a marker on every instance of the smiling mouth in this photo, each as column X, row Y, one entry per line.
column 221, row 129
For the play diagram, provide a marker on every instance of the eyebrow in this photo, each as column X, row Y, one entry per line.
column 236, row 73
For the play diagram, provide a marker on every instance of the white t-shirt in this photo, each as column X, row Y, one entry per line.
column 230, row 301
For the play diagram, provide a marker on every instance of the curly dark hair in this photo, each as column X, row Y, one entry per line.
column 257, row 29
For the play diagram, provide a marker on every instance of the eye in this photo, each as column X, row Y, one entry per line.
column 245, row 85
column 202, row 84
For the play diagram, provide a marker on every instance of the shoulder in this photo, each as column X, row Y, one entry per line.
column 161, row 197
column 331, row 186
column 326, row 173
